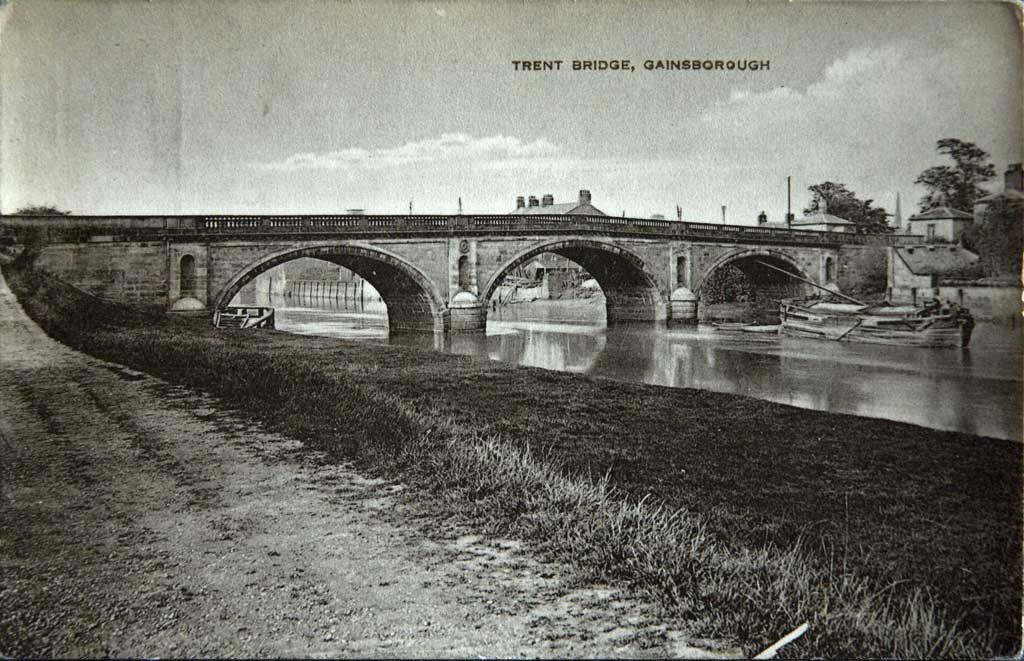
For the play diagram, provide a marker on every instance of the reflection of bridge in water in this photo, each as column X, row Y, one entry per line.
column 434, row 272
column 912, row 385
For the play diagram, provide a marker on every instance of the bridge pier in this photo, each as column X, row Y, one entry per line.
column 465, row 314
column 634, row 304
column 682, row 307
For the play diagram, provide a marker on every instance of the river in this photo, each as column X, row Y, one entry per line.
column 975, row 390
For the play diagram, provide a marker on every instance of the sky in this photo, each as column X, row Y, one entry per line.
column 172, row 107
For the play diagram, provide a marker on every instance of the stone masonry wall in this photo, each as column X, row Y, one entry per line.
column 862, row 269
column 132, row 273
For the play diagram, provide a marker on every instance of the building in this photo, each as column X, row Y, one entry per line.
column 824, row 222
column 940, row 225
column 1013, row 191
column 546, row 206
column 560, row 276
column 762, row 221
column 916, row 272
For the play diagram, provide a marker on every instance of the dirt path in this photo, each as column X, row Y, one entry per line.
column 143, row 519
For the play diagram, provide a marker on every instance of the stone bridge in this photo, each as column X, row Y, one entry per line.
column 435, row 273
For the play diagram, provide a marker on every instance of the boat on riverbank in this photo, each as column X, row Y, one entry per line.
column 241, row 316
column 933, row 324
column 745, row 327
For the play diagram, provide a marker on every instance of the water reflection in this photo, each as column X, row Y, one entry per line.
column 977, row 390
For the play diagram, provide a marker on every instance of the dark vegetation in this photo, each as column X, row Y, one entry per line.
column 998, row 238
column 727, row 284
column 957, row 186
column 41, row 210
column 838, row 200
column 744, row 518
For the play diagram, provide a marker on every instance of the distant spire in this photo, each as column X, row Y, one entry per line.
column 897, row 220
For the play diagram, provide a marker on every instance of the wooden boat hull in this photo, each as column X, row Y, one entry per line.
column 244, row 317
column 948, row 327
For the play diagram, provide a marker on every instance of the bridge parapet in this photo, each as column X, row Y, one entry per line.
column 86, row 228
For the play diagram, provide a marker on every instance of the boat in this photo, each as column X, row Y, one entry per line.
column 241, row 316
column 931, row 324
column 744, row 327
column 934, row 324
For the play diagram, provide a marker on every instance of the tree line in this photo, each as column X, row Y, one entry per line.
column 957, row 186
column 996, row 235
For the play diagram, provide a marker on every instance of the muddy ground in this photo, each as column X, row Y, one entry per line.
column 139, row 518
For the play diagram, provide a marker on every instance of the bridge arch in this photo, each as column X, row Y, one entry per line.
column 413, row 301
column 631, row 293
column 768, row 285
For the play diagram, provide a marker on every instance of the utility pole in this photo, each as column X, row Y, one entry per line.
column 789, row 202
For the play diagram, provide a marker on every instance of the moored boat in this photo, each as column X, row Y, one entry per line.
column 241, row 316
column 933, row 324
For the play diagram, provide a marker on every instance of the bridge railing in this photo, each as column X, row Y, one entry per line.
column 124, row 227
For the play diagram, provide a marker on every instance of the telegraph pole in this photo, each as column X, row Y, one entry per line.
column 789, row 202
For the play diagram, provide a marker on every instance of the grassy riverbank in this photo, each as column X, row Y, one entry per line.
column 743, row 517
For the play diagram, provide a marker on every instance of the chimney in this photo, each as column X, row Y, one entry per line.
column 520, row 202
column 547, row 200
column 762, row 218
column 584, row 197
column 1013, row 178
column 533, row 201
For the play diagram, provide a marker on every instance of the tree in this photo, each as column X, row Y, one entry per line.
column 838, row 200
column 956, row 187
column 41, row 210
column 998, row 237
column 727, row 285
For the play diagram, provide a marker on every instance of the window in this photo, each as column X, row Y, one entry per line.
column 930, row 231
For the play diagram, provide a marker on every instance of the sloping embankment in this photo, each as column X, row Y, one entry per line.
column 890, row 539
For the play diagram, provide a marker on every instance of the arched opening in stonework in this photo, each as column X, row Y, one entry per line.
column 187, row 276
column 464, row 280
column 830, row 270
column 410, row 301
column 599, row 274
column 748, row 285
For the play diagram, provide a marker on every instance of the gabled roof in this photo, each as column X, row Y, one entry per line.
column 821, row 219
column 564, row 209
column 942, row 213
column 936, row 259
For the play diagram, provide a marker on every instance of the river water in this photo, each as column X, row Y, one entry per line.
column 975, row 390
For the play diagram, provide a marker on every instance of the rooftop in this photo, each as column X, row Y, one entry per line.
column 942, row 213
column 559, row 209
column 545, row 206
column 821, row 219
column 936, row 259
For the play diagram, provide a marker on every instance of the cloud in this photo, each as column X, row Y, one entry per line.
column 498, row 150
column 845, row 80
